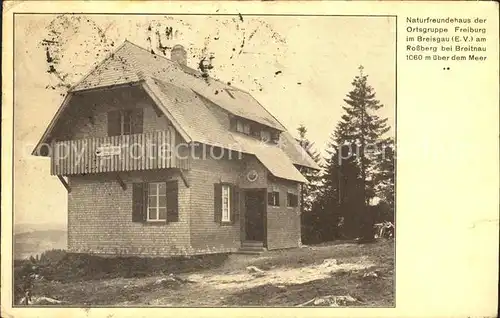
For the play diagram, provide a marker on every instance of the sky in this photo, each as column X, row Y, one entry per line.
column 299, row 68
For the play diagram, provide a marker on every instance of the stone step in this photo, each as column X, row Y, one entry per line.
column 252, row 249
column 249, row 252
column 252, row 244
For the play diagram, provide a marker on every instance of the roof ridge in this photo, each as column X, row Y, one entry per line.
column 190, row 68
column 161, row 56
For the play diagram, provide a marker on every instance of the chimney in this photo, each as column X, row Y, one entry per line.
column 178, row 54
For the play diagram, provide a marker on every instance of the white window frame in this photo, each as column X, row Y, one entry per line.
column 276, row 202
column 226, row 208
column 157, row 207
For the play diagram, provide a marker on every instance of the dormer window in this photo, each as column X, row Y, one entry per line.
column 265, row 135
column 275, row 137
column 242, row 127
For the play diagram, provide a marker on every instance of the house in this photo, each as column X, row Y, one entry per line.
column 160, row 159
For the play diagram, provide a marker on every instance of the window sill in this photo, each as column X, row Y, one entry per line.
column 226, row 223
column 155, row 221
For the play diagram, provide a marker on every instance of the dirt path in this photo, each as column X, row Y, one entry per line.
column 213, row 287
column 285, row 278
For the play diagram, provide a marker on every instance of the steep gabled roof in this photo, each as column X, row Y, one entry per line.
column 175, row 89
column 192, row 114
column 131, row 63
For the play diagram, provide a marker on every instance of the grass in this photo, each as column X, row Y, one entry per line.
column 87, row 280
column 58, row 267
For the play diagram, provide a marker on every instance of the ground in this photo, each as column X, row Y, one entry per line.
column 290, row 277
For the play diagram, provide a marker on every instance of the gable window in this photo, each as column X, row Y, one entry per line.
column 292, row 200
column 125, row 122
column 226, row 201
column 155, row 202
column 273, row 197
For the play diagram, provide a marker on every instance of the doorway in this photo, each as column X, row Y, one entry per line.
column 255, row 208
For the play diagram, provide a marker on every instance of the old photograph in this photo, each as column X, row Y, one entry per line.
column 204, row 160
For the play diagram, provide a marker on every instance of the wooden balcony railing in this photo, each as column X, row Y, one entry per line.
column 146, row 151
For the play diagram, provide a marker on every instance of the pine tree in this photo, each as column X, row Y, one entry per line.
column 351, row 170
column 341, row 193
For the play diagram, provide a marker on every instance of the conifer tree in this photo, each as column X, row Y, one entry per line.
column 365, row 129
column 349, row 181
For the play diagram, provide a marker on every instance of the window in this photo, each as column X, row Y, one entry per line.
column 265, row 135
column 275, row 137
column 226, row 203
column 273, row 198
column 292, row 200
column 242, row 127
column 255, row 131
column 125, row 122
column 157, row 201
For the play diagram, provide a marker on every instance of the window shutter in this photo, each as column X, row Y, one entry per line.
column 137, row 121
column 172, row 201
column 138, row 208
column 114, row 123
column 217, row 202
column 270, row 196
column 235, row 204
column 277, row 198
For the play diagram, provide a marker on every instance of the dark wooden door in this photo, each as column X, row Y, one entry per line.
column 255, row 205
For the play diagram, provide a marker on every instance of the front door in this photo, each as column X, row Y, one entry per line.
column 255, row 205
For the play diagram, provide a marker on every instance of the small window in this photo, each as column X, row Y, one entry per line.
column 275, row 137
column 265, row 135
column 255, row 131
column 242, row 127
column 157, row 201
column 226, row 203
column 273, row 198
column 292, row 200
column 125, row 122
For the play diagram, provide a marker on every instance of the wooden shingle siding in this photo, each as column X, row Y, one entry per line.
column 126, row 153
column 100, row 217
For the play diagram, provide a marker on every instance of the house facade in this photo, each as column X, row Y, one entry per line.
column 159, row 159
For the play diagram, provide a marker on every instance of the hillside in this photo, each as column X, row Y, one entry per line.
column 36, row 241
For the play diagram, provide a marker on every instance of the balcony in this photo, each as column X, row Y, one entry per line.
column 148, row 151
